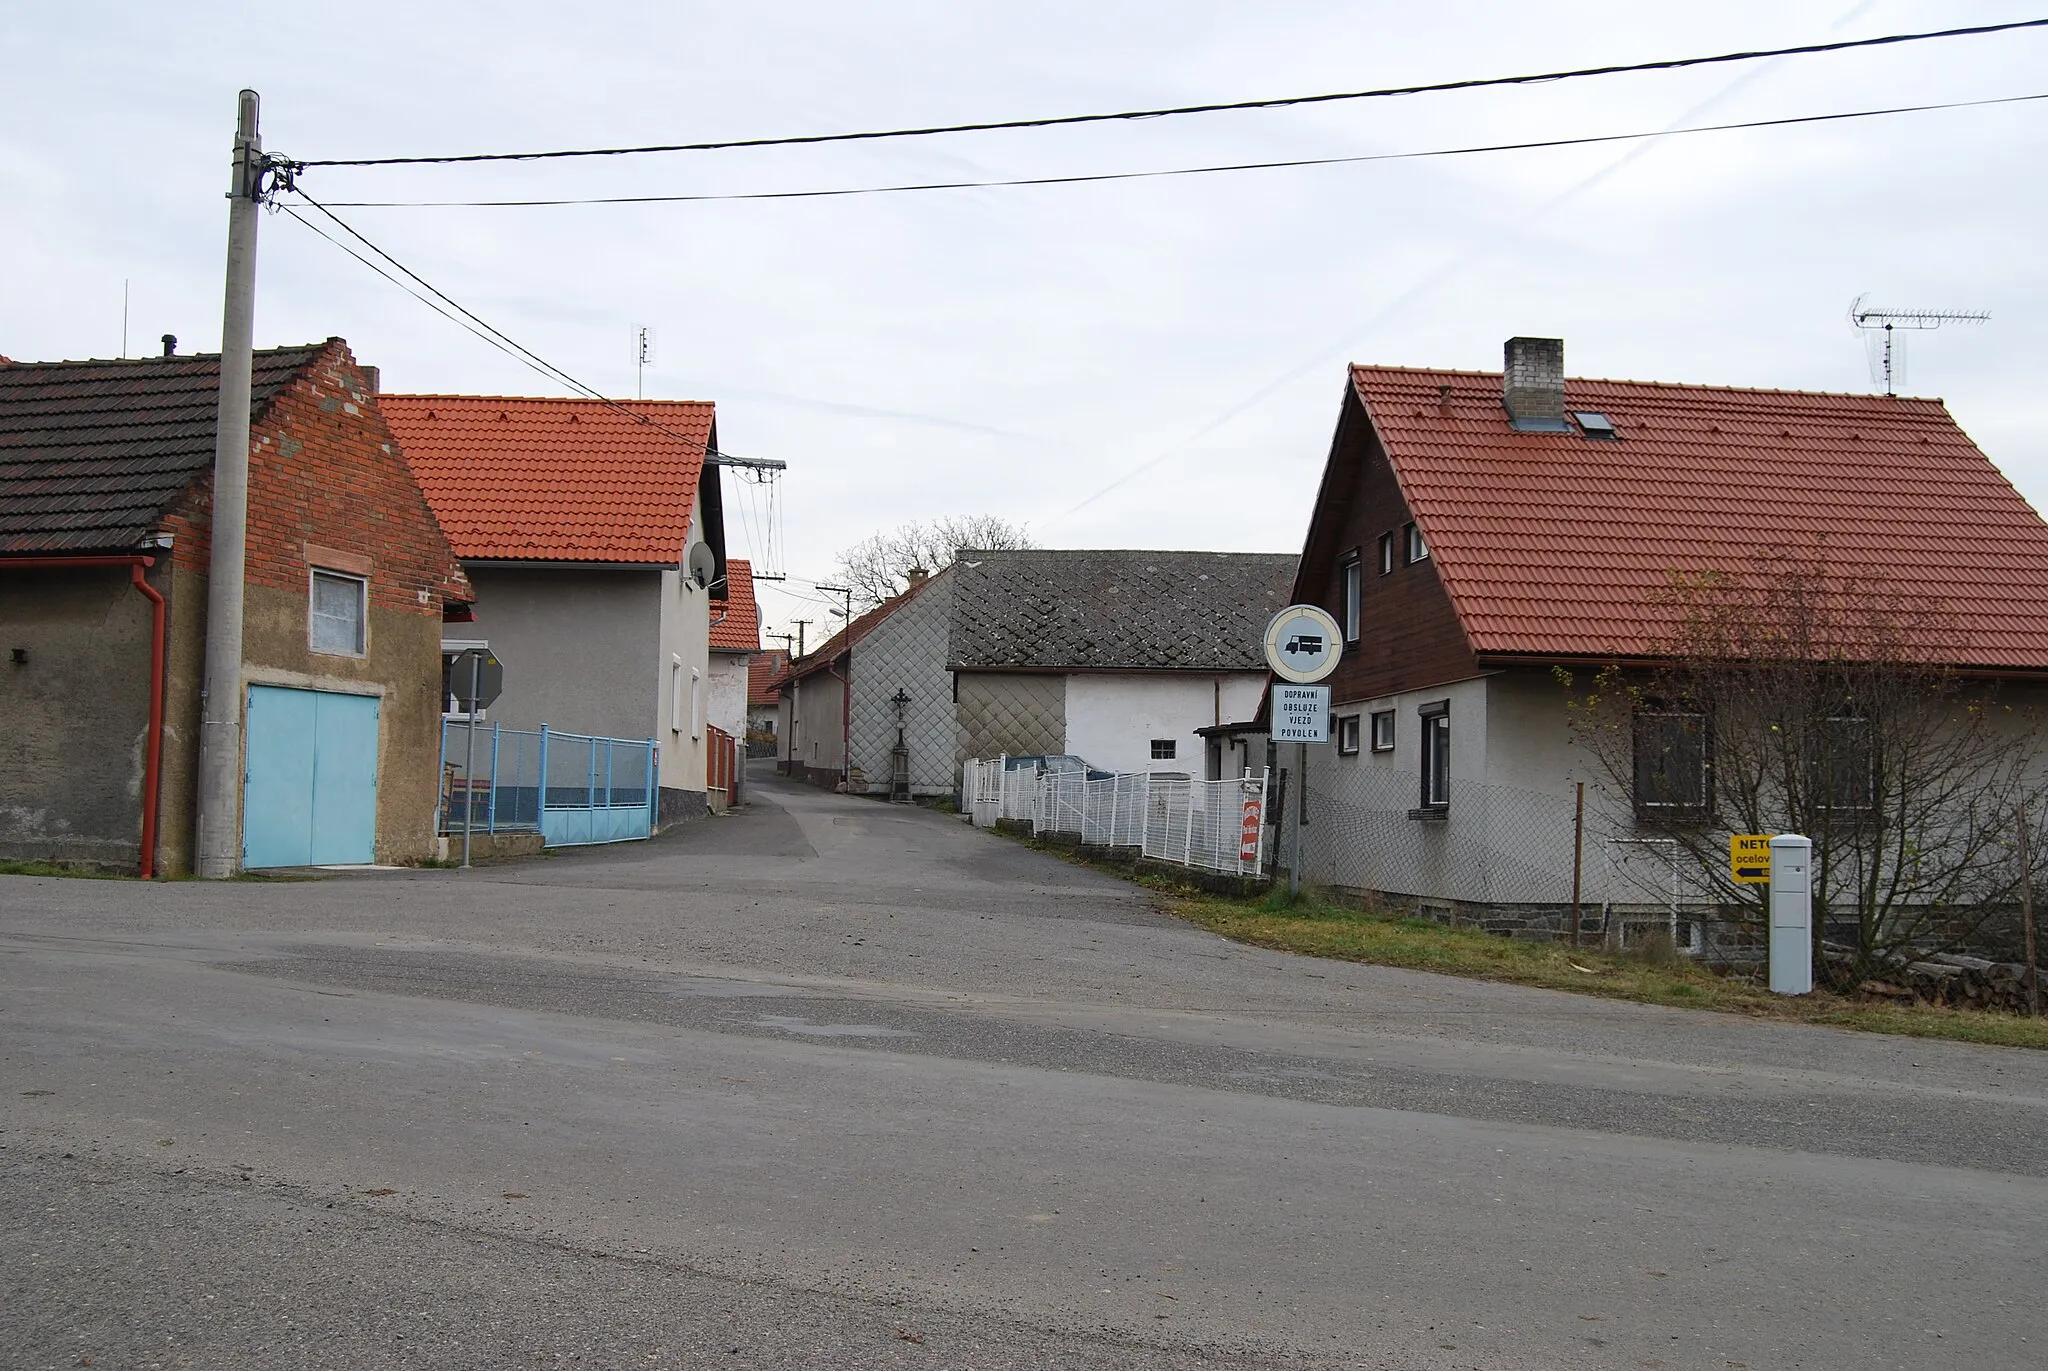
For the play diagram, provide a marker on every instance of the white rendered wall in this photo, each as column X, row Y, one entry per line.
column 1113, row 717
column 728, row 692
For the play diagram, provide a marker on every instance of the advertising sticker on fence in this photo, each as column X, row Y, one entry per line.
column 1301, row 714
column 1252, row 822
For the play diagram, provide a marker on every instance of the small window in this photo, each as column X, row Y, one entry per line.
column 1347, row 734
column 1436, row 755
column 1163, row 749
column 696, row 703
column 1598, row 427
column 1844, row 769
column 1386, row 553
column 1383, row 730
column 1351, row 595
column 1672, row 765
column 675, row 694
column 338, row 605
column 1413, row 548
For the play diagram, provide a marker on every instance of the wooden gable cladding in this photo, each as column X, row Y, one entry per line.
column 1409, row 634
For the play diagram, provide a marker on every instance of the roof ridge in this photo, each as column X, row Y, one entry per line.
column 1663, row 385
column 531, row 399
column 159, row 358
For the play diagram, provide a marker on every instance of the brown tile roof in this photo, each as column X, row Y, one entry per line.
column 92, row 453
column 762, row 669
column 740, row 629
column 1554, row 544
column 555, row 480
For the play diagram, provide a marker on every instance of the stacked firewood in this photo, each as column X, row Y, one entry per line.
column 1956, row 980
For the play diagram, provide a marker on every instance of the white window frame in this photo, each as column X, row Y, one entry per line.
column 1435, row 764
column 1383, row 729
column 1347, row 735
column 362, row 585
column 696, row 703
column 675, row 694
column 1414, row 547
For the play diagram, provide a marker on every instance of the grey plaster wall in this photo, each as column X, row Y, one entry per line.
column 74, row 716
column 579, row 648
column 1010, row 712
column 907, row 652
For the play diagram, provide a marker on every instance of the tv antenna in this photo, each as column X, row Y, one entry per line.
column 1890, row 319
column 643, row 356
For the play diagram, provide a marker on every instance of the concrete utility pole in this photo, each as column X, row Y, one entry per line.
column 219, row 839
column 801, row 625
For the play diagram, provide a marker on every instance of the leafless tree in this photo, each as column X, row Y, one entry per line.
column 1789, row 697
column 878, row 567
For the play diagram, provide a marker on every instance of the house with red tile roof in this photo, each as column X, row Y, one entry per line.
column 735, row 638
column 764, row 701
column 106, row 516
column 1476, row 531
column 575, row 520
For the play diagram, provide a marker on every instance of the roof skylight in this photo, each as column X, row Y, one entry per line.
column 1596, row 425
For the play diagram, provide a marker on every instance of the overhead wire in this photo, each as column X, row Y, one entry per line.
column 1173, row 111
column 1588, row 140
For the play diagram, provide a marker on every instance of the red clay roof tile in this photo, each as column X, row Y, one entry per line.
column 762, row 669
column 555, row 480
column 1555, row 544
column 740, row 629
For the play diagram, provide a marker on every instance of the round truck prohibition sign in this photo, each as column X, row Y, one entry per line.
column 1303, row 644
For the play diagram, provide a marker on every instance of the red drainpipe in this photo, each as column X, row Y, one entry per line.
column 153, row 752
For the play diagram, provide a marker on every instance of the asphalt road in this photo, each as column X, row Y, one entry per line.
column 833, row 1084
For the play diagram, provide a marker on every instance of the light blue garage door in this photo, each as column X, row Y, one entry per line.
column 310, row 797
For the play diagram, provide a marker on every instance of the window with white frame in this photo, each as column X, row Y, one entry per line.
column 1383, row 730
column 675, row 694
column 1386, row 553
column 696, row 703
column 1351, row 596
column 339, row 607
column 1347, row 734
column 1436, row 755
column 1413, row 548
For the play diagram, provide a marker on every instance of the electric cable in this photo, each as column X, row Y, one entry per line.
column 1085, row 179
column 1280, row 102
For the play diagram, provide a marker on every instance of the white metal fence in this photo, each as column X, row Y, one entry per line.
column 1211, row 825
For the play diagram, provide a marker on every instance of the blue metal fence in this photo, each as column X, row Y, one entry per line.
column 575, row 788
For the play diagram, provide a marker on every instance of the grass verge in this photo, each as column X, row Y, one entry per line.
column 1318, row 928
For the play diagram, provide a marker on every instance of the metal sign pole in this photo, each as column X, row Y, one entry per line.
column 476, row 665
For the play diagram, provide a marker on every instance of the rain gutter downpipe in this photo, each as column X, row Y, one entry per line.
column 845, row 718
column 153, row 748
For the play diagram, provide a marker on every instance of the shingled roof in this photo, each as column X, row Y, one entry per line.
column 738, row 629
column 1553, row 544
column 92, row 453
column 1115, row 610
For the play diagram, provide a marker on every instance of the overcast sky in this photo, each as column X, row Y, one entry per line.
column 1142, row 363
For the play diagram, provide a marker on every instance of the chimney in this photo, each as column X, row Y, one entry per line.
column 370, row 379
column 1532, row 385
column 170, row 345
column 916, row 576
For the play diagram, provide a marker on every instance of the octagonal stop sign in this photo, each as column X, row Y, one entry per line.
column 475, row 672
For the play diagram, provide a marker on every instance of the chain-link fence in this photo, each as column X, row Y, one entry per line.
column 1211, row 825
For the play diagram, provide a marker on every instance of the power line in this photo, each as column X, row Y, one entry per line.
column 496, row 337
column 1281, row 102
column 1586, row 141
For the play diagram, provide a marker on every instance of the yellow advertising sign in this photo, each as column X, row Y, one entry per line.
column 1749, row 858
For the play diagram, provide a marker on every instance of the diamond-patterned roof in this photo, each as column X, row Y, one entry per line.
column 92, row 453
column 517, row 479
column 1556, row 544
column 740, row 628
column 1069, row 610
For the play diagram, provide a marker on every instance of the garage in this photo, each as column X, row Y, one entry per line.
column 310, row 797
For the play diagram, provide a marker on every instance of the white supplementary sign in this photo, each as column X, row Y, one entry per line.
column 1301, row 714
column 1303, row 644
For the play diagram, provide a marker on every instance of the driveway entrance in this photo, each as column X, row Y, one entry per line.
column 310, row 796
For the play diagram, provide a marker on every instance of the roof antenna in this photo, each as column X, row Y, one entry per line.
column 1888, row 319
column 643, row 354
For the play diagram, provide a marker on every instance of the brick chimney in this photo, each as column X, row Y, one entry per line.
column 916, row 576
column 1532, row 384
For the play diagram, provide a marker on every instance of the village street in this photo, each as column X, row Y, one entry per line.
column 830, row 1083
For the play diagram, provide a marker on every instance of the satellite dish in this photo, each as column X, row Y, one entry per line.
column 702, row 564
